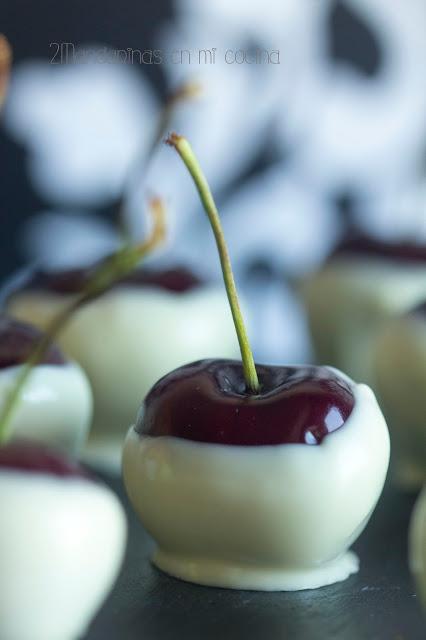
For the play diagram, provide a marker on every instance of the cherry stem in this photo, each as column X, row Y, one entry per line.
column 185, row 151
column 103, row 277
column 186, row 91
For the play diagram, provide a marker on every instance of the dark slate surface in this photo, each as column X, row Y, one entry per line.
column 377, row 604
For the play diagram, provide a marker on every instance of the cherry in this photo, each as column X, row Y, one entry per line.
column 71, row 281
column 363, row 245
column 207, row 401
column 240, row 403
column 34, row 458
column 17, row 341
column 20, row 347
column 228, row 404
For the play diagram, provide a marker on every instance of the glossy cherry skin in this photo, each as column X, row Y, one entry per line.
column 364, row 246
column 72, row 281
column 29, row 457
column 17, row 341
column 207, row 401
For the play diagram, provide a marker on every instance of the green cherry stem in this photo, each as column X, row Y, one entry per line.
column 102, row 278
column 185, row 151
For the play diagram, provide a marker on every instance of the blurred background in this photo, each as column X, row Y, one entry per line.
column 311, row 121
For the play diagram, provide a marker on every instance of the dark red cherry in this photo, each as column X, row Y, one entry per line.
column 17, row 341
column 365, row 246
column 34, row 458
column 177, row 280
column 207, row 401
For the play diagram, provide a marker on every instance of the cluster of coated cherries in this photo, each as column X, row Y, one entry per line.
column 208, row 402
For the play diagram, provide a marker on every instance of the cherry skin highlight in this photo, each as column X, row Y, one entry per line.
column 73, row 281
column 207, row 401
column 363, row 246
column 17, row 341
column 29, row 457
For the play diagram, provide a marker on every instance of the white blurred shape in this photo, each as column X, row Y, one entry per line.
column 279, row 215
column 268, row 20
column 348, row 129
column 279, row 329
column 224, row 126
column 395, row 211
column 83, row 125
column 66, row 240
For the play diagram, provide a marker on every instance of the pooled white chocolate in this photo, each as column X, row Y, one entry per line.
column 268, row 518
column 127, row 340
column 400, row 372
column 62, row 541
column 350, row 300
column 55, row 406
column 417, row 545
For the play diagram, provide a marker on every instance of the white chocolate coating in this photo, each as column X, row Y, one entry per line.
column 55, row 406
column 349, row 301
column 269, row 517
column 400, row 373
column 417, row 545
column 61, row 546
column 127, row 340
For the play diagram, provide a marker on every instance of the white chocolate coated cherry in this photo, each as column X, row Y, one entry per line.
column 351, row 299
column 399, row 358
column 62, row 541
column 275, row 517
column 55, row 406
column 128, row 339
